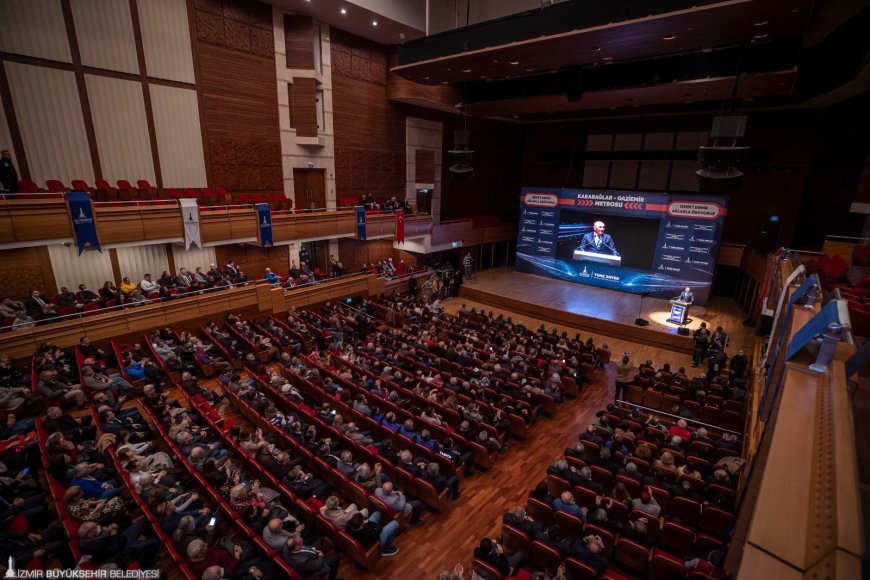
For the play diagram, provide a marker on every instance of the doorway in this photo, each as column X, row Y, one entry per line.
column 309, row 188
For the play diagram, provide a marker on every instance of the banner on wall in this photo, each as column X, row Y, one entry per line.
column 361, row 222
column 81, row 213
column 264, row 219
column 633, row 241
column 400, row 226
column 190, row 216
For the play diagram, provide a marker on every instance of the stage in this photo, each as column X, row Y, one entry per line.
column 601, row 311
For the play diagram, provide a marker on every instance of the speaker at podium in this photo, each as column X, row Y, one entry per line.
column 679, row 312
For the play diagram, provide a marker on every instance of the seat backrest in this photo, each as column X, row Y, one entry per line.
column 632, row 555
column 80, row 185
column 676, row 538
column 577, row 570
column 55, row 186
column 665, row 566
column 143, row 184
column 28, row 186
column 485, row 571
column 100, row 184
column 125, row 185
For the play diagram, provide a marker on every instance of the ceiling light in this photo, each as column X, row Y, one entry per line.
column 760, row 23
column 514, row 62
column 530, row 70
column 466, row 70
column 595, row 48
column 760, row 36
column 669, row 37
column 425, row 78
column 484, row 77
column 444, row 83
column 343, row 10
column 374, row 22
column 606, row 58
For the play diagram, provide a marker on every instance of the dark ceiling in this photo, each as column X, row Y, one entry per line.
column 606, row 57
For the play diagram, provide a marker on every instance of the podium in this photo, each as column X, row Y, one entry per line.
column 679, row 311
column 598, row 258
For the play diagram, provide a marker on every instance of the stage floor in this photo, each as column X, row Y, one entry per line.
column 608, row 312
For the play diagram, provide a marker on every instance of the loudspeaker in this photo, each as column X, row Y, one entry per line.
column 683, row 330
column 641, row 322
column 574, row 90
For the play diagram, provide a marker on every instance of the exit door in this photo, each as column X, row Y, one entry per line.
column 309, row 188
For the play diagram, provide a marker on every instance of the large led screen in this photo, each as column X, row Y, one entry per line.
column 644, row 243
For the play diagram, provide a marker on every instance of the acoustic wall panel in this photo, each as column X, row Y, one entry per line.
column 6, row 137
column 179, row 137
column 193, row 258
column 104, row 31
column 166, row 39
column 71, row 269
column 118, row 111
column 49, row 115
column 34, row 28
column 137, row 261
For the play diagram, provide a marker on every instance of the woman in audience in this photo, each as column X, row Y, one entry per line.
column 339, row 516
column 99, row 510
column 110, row 292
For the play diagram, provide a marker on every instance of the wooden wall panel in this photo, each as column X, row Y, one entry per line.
column 234, row 224
column 254, row 260
column 303, row 110
column 299, row 41
column 24, row 221
column 239, row 110
column 117, row 225
column 369, row 129
column 26, row 269
column 355, row 253
column 425, row 166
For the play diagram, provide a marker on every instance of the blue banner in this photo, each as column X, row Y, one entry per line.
column 264, row 219
column 361, row 222
column 81, row 212
column 644, row 243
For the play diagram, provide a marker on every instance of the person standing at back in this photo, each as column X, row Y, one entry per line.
column 8, row 173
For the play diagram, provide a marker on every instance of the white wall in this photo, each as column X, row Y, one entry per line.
column 104, row 30
column 193, row 258
column 71, row 269
column 137, row 261
column 52, row 127
column 118, row 111
column 34, row 28
column 179, row 136
column 166, row 39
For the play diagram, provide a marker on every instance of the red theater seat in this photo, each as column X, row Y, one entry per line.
column 56, row 186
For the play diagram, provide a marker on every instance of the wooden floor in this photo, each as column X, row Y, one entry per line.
column 606, row 310
column 450, row 538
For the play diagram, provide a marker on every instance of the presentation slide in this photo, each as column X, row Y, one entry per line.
column 644, row 243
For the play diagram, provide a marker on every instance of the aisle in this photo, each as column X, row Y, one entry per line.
column 451, row 537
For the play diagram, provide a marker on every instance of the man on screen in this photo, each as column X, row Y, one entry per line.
column 686, row 296
column 597, row 241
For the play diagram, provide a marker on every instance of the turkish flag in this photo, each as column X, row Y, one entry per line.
column 400, row 226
